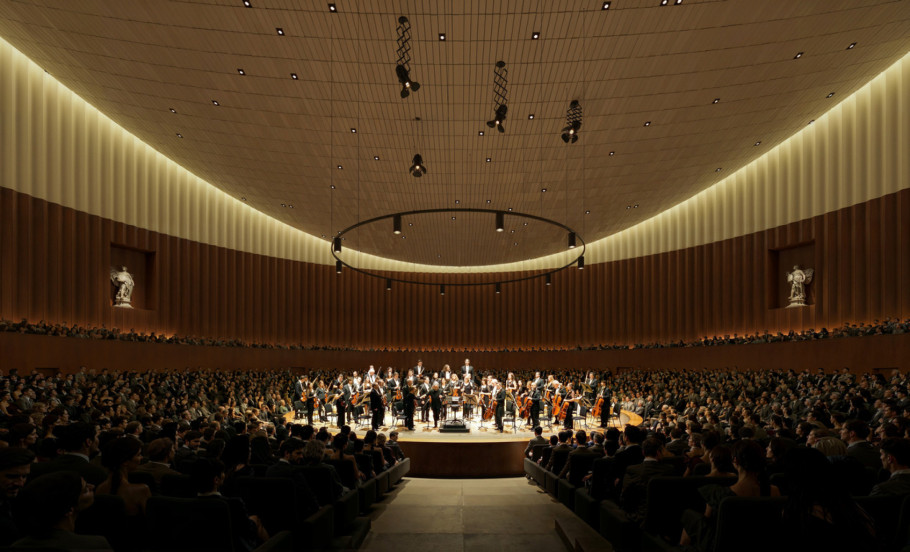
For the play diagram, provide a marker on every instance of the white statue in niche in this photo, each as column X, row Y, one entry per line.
column 798, row 280
column 123, row 281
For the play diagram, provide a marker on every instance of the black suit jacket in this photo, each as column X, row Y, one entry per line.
column 70, row 462
column 634, row 497
column 866, row 453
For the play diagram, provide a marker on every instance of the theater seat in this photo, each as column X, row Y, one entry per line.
column 188, row 524
column 749, row 524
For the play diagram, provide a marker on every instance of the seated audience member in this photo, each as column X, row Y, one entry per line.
column 207, row 475
column 339, row 444
column 261, row 450
column 538, row 439
column 855, row 433
column 187, row 452
column 364, row 461
column 236, row 457
column 634, row 496
column 611, row 441
column 50, row 505
column 161, row 454
column 582, row 450
column 288, row 467
column 560, row 452
column 831, row 446
column 820, row 515
column 679, row 441
column 314, row 455
column 387, row 453
column 122, row 456
column 777, row 450
column 393, row 444
column 79, row 442
column 15, row 464
column 748, row 459
column 895, row 455
column 598, row 446
column 23, row 436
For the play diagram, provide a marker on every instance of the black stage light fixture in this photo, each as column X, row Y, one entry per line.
column 403, row 67
column 498, row 287
column 500, row 221
column 549, row 279
column 571, row 240
column 396, row 224
column 581, row 263
column 336, row 245
column 407, row 85
column 388, row 284
column 338, row 266
column 498, row 118
column 573, row 123
column 442, row 289
column 418, row 169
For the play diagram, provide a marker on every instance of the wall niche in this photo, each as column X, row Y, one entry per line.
column 141, row 265
column 781, row 261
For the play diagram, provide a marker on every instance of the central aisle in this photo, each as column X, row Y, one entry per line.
column 465, row 515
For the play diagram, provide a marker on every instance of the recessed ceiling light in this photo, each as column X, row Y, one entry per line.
column 531, row 116
column 516, row 243
column 241, row 71
column 332, row 186
column 606, row 6
column 716, row 100
column 403, row 237
column 647, row 123
column 612, row 153
column 294, row 76
column 244, row 199
column 283, row 205
column 247, row 3
column 323, row 235
column 510, row 208
column 290, row 206
column 332, row 8
column 410, row 224
column 830, row 95
column 587, row 212
column 678, row 2
column 488, row 201
column 340, row 167
column 664, row 2
column 438, row 256
column 798, row 55
column 376, row 158
column 543, row 190
column 280, row 31
column 480, row 133
column 718, row 169
column 173, row 110
column 353, row 131
column 628, row 206
column 757, row 143
column 635, row 206
column 215, row 102
column 511, row 231
column 179, row 135
column 442, row 37
column 457, row 201
column 489, row 159
column 453, row 218
column 526, row 224
column 851, row 46
column 535, row 35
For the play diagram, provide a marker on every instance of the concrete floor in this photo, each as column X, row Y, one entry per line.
column 465, row 515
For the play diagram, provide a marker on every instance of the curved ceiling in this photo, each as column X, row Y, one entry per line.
column 276, row 142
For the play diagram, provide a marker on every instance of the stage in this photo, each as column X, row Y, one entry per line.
column 481, row 452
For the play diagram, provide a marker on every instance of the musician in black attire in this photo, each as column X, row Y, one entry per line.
column 467, row 390
column 347, row 393
column 436, row 403
column 376, row 407
column 499, row 395
column 534, row 394
column 299, row 395
column 340, row 406
column 310, row 403
column 410, row 405
column 604, row 393
column 569, row 401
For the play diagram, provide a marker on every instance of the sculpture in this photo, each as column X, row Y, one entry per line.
column 123, row 281
column 798, row 280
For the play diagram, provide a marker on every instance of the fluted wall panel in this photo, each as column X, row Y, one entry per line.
column 54, row 264
column 60, row 149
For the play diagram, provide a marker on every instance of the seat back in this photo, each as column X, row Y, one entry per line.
column 670, row 496
column 749, row 524
column 274, row 500
column 144, row 478
column 559, row 458
column 177, row 486
column 321, row 482
column 579, row 466
column 345, row 469
column 106, row 517
column 603, row 474
column 537, row 452
column 885, row 511
column 188, row 524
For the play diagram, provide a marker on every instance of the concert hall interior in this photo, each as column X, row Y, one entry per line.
column 307, row 275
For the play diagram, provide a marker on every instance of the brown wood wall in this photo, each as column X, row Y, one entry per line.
column 54, row 265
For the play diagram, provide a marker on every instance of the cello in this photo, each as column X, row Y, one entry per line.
column 597, row 407
column 491, row 409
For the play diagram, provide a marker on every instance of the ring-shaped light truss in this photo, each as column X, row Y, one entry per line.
column 464, row 210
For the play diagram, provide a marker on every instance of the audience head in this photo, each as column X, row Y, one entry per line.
column 831, row 446
column 207, row 475
column 53, row 501
column 895, row 454
column 161, row 450
column 15, row 465
column 292, row 449
column 652, row 448
column 748, row 456
column 854, row 430
column 722, row 459
column 778, row 448
column 538, row 431
column 314, row 452
column 236, row 452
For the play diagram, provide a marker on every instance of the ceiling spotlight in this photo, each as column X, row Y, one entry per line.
column 543, row 190
column 812, row 121
column 851, row 46
column 407, row 85
column 757, row 143
column 332, row 8
column 280, row 31
column 388, row 284
column 488, row 201
column 457, row 201
column 612, row 153
column 338, row 267
column 453, row 218
column 179, row 135
column 480, row 133
column 247, row 3
column 587, row 211
column 581, row 263
column 571, row 240
column 489, row 159
column 678, row 2
column 531, row 116
column 442, row 289
column 442, row 37
column 336, row 244
column 244, row 199
column 718, row 169
column 500, row 221
column 294, row 76
column 332, row 186
column 375, row 158
column 548, row 279
column 340, row 167
column 830, row 95
column 353, row 131
column 241, row 71
column 647, row 123
column 498, row 287
column 173, row 110
column 418, row 169
column 635, row 206
column 606, row 6
column 396, row 224
column 510, row 209
column 215, row 102
column 664, row 2
column 535, row 35
column 716, row 100
column 573, row 123
column 798, row 55
column 498, row 118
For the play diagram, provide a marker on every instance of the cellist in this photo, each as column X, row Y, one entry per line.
column 499, row 395
column 606, row 395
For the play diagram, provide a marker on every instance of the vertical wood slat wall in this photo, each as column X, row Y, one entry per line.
column 54, row 265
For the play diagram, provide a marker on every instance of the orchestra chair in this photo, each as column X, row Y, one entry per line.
column 617, row 414
column 400, row 420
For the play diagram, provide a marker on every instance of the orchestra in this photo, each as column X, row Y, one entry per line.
column 461, row 395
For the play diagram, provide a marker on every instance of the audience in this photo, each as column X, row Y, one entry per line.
column 15, row 465
column 122, row 456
